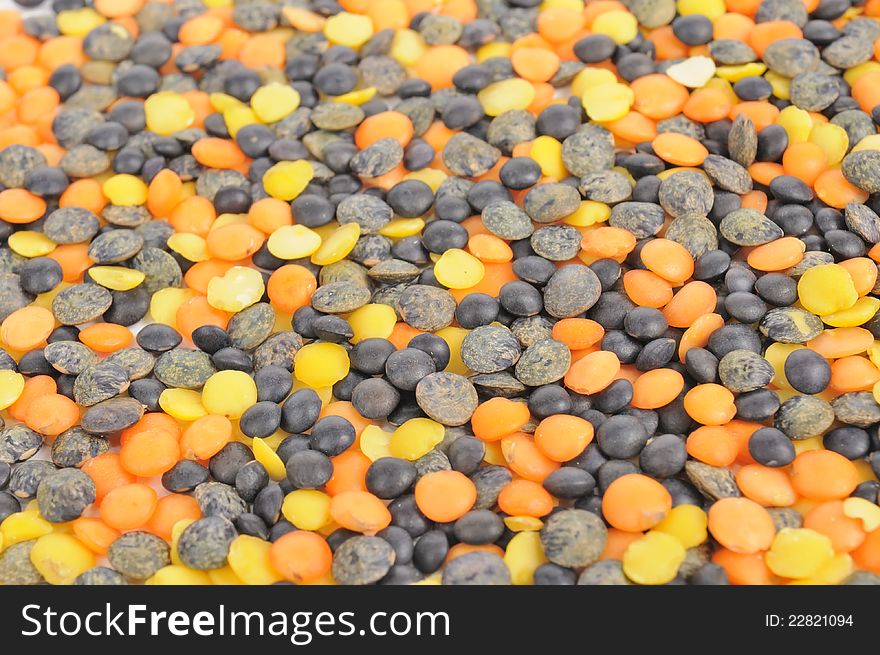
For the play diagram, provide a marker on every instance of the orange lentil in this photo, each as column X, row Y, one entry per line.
column 712, row 445
column 349, row 472
column 34, row 387
column 744, row 569
column 169, row 510
column 234, row 241
column 835, row 190
column 51, row 414
column 525, row 498
column 635, row 503
column 647, row 289
column 823, row 475
column 805, row 161
column 769, row 487
column 592, row 373
column 439, row 63
column 578, row 333
column 205, row 437
column 741, row 525
column 149, row 452
column 498, row 417
column 128, row 507
column 489, row 249
column 107, row 473
column 106, row 337
column 693, row 300
column 867, row 556
column 853, row 373
column 668, row 259
column 777, row 255
column 196, row 312
column 710, row 404
column 525, row 458
column 656, row 388
column 445, row 496
column 698, row 333
column 359, row 511
column 679, row 149
column 841, row 342
column 20, row 206
column 301, row 556
column 94, row 534
column 27, row 328
column 828, row 518
column 562, row 437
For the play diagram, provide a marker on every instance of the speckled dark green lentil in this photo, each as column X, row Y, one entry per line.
column 81, row 303
column 138, row 555
column 204, row 544
column 69, row 357
column 71, row 225
column 112, row 416
column 100, row 575
column 557, row 243
column 65, row 494
column 184, row 368
column 18, row 442
column 340, row 297
column 489, row 349
column 711, row 481
column 135, row 362
column 362, row 560
column 447, row 398
column 252, row 326
column 551, row 201
column 16, row 567
column 573, row 538
column 856, row 408
column 506, row 220
column 790, row 325
column 74, row 447
column 278, row 350
column 742, row 141
column 543, row 362
column 605, row 572
column 219, row 500
column 12, row 296
column 802, row 417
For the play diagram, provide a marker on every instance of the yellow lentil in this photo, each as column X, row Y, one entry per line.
column 337, row 245
column 654, row 559
column 60, row 558
column 29, row 243
column 125, row 190
column 798, row 553
column 287, row 179
column 11, row 386
column 238, row 288
column 458, row 269
column 307, row 509
column 182, row 404
column 415, row 438
column 249, row 559
column 293, row 242
column 118, row 278
column 827, row 289
column 167, row 113
column 499, row 97
column 229, row 393
column 524, row 554
column 274, row 101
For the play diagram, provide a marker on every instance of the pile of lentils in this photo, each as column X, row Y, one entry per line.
column 440, row 292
